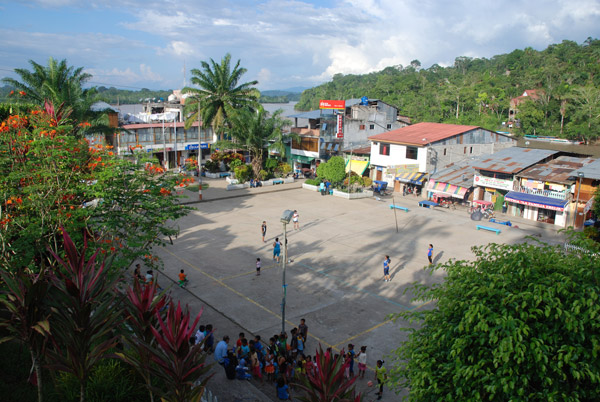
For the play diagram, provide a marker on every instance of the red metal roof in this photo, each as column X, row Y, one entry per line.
column 422, row 133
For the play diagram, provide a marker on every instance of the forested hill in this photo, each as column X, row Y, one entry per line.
column 478, row 91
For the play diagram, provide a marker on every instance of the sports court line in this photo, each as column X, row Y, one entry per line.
column 249, row 272
column 257, row 304
column 355, row 287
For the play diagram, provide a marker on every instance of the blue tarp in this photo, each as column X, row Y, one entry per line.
column 535, row 200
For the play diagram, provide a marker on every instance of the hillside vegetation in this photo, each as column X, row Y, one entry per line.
column 478, row 91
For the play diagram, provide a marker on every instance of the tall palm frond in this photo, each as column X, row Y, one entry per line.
column 219, row 95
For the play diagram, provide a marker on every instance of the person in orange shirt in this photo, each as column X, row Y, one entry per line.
column 182, row 279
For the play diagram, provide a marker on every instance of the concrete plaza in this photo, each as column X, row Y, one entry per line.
column 335, row 280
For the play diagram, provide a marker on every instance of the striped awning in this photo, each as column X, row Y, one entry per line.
column 358, row 167
column 411, row 177
column 446, row 188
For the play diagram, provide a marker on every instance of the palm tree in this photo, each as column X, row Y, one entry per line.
column 56, row 83
column 219, row 95
column 62, row 87
column 254, row 129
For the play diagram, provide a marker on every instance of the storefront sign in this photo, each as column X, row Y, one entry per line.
column 340, row 127
column 484, row 181
column 204, row 145
column 332, row 104
column 535, row 204
column 191, row 147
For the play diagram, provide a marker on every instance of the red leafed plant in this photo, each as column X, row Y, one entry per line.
column 83, row 312
column 143, row 306
column 178, row 364
column 327, row 383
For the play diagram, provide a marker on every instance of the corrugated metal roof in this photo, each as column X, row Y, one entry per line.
column 313, row 114
column 592, row 170
column 514, row 159
column 460, row 173
column 560, row 170
column 422, row 133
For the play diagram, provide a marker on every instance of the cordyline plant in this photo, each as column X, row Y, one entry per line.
column 143, row 306
column 50, row 178
column 327, row 383
column 24, row 297
column 83, row 312
column 178, row 364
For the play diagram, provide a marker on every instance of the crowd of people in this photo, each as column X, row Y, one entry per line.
column 280, row 360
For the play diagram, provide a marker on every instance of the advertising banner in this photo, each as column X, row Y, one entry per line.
column 484, row 181
column 332, row 104
column 340, row 127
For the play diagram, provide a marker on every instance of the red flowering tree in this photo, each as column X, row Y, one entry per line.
column 49, row 179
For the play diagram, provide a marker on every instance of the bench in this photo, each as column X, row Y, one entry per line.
column 507, row 223
column 392, row 206
column 428, row 204
column 224, row 174
column 489, row 228
column 277, row 181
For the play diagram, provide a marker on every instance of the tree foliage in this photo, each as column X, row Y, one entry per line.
column 333, row 170
column 219, row 95
column 478, row 91
column 50, row 179
column 518, row 323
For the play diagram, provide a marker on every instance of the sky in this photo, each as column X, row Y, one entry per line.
column 133, row 44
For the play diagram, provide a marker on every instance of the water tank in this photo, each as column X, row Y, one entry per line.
column 172, row 98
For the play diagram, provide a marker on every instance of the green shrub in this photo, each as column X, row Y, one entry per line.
column 313, row 182
column 271, row 164
column 212, row 166
column 367, row 182
column 263, row 175
column 110, row 381
column 235, row 163
column 243, row 173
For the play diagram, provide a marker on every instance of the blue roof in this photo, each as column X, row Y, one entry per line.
column 313, row 114
column 536, row 199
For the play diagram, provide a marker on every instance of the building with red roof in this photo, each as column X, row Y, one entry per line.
column 406, row 155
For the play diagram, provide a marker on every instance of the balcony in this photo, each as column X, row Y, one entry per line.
column 311, row 132
column 559, row 195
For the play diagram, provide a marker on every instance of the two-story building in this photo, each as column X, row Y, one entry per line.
column 406, row 155
column 544, row 191
column 495, row 175
column 588, row 180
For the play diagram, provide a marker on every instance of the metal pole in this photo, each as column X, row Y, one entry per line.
column 175, row 146
column 164, row 144
column 395, row 217
column 283, row 277
column 577, row 203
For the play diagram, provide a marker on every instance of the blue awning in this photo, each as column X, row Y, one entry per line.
column 411, row 177
column 336, row 147
column 329, row 146
column 537, row 201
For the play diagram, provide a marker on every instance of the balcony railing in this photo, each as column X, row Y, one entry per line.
column 313, row 132
column 560, row 195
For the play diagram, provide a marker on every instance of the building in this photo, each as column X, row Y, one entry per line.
column 159, row 129
column 455, row 180
column 544, row 191
column 513, row 109
column 328, row 132
column 588, row 180
column 406, row 155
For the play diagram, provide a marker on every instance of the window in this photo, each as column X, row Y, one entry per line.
column 411, row 152
column 371, row 126
column 384, row 149
column 471, row 150
column 444, row 151
column 361, row 127
column 388, row 126
column 465, row 150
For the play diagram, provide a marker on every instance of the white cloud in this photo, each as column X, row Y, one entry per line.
column 126, row 76
column 177, row 48
column 295, row 42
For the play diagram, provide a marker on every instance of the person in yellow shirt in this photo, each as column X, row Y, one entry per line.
column 381, row 377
